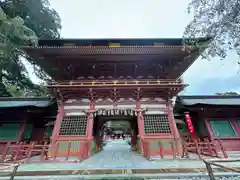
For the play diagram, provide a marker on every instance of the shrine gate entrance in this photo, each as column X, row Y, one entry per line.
column 83, row 125
column 114, row 127
column 91, row 76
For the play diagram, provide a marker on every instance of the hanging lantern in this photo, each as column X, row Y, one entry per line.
column 116, row 112
column 131, row 112
column 104, row 112
column 135, row 112
column 99, row 112
column 125, row 112
column 189, row 124
column 122, row 112
column 112, row 112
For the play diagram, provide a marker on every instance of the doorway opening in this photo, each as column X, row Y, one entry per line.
column 115, row 132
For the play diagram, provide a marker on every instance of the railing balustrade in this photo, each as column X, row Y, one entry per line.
column 194, row 146
column 25, row 152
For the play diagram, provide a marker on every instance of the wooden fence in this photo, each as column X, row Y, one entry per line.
column 166, row 148
column 200, row 148
column 43, row 151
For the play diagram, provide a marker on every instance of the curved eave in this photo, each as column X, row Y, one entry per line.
column 45, row 52
column 50, row 53
column 115, row 46
column 122, row 41
column 39, row 103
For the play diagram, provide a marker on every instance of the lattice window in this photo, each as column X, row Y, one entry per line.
column 28, row 131
column 154, row 124
column 73, row 126
column 222, row 128
column 9, row 131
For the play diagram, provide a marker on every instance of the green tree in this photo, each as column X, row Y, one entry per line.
column 40, row 19
column 218, row 19
column 16, row 91
column 13, row 33
column 37, row 15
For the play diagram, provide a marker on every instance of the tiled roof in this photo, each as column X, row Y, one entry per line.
column 208, row 100
column 25, row 102
column 122, row 42
column 105, row 50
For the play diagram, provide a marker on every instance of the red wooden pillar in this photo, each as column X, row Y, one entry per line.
column 90, row 119
column 171, row 120
column 140, row 120
column 22, row 129
column 173, row 126
column 133, row 140
column 140, row 124
column 57, row 124
column 98, row 140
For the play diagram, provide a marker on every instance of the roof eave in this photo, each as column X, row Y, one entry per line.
column 123, row 42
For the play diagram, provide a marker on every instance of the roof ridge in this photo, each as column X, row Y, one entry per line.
column 25, row 99
column 208, row 96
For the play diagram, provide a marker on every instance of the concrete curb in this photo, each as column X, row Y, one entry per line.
column 158, row 176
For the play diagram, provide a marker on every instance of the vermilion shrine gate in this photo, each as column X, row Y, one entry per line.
column 130, row 79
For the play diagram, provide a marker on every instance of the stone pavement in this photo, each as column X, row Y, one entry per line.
column 117, row 155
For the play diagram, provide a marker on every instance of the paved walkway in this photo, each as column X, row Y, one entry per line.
column 117, row 155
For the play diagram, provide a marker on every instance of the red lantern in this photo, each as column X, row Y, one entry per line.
column 189, row 124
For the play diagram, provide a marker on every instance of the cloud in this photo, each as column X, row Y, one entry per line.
column 210, row 77
column 214, row 85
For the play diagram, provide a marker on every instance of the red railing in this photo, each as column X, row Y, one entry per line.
column 16, row 151
column 175, row 147
column 20, row 151
column 203, row 147
column 171, row 149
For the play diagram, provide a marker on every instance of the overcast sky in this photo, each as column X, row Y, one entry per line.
column 144, row 19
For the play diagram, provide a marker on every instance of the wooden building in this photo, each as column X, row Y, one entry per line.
column 215, row 117
column 102, row 79
column 25, row 119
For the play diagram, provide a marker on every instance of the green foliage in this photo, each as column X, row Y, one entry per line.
column 120, row 124
column 13, row 33
column 23, row 23
column 37, row 15
column 218, row 19
column 35, row 91
column 3, row 91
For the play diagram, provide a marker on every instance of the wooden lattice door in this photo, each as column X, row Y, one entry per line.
column 158, row 127
column 73, row 129
column 73, row 126
column 157, row 124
